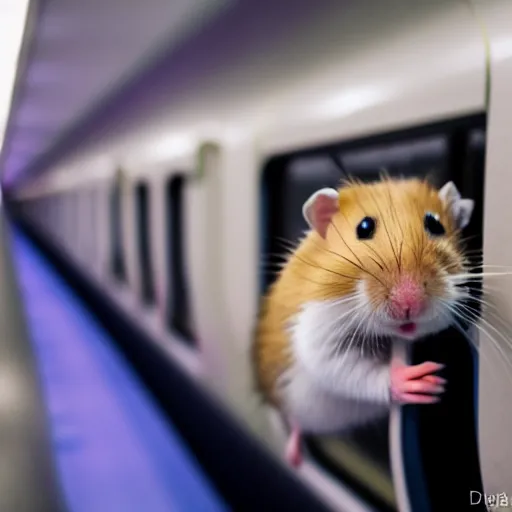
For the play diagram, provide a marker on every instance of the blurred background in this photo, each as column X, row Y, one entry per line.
column 154, row 160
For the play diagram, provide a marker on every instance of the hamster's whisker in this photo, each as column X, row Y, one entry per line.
column 353, row 308
column 280, row 255
column 271, row 265
column 496, row 318
column 469, row 315
column 368, row 246
column 466, row 239
column 269, row 262
column 493, row 312
column 476, row 267
column 474, row 260
column 476, row 255
column 385, row 227
column 485, row 303
column 488, row 310
column 482, row 291
column 414, row 251
column 348, row 260
column 342, row 330
column 344, row 241
column 324, row 268
column 348, row 298
column 288, row 244
column 335, row 322
column 352, row 339
column 494, row 342
column 480, row 274
column 419, row 236
column 370, row 340
column 395, row 215
column 451, row 266
column 270, row 272
column 305, row 278
column 344, row 341
column 475, row 346
column 376, row 262
column 461, row 329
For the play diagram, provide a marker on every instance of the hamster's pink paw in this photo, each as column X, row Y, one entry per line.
column 416, row 384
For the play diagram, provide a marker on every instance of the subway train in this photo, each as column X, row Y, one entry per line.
column 162, row 153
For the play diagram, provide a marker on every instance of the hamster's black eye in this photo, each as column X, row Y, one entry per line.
column 366, row 228
column 433, row 225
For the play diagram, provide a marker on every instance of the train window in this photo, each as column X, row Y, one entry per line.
column 178, row 314
column 70, row 220
column 81, row 224
column 142, row 205
column 443, row 152
column 117, row 261
column 73, row 221
column 94, row 215
column 58, row 220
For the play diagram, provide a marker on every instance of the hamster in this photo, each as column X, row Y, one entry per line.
column 379, row 263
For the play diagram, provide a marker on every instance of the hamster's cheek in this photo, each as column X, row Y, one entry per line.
column 371, row 293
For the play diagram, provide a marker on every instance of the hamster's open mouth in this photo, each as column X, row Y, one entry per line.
column 407, row 328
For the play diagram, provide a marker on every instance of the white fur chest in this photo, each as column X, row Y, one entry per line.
column 329, row 389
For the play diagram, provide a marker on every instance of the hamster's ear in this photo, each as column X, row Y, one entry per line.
column 319, row 209
column 461, row 209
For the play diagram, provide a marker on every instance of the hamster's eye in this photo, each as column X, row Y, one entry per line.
column 366, row 228
column 433, row 225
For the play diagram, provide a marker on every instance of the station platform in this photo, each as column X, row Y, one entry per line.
column 112, row 449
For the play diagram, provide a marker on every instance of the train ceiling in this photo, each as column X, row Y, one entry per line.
column 250, row 60
column 75, row 55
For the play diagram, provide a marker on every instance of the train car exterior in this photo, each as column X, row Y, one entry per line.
column 171, row 204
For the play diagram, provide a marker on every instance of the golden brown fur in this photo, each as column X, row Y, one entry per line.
column 331, row 267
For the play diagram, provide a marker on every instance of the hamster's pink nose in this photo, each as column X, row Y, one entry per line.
column 407, row 299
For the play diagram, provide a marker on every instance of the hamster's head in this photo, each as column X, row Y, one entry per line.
column 396, row 247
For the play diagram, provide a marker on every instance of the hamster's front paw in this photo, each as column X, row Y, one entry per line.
column 416, row 384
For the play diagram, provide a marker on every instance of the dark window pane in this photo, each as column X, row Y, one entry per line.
column 178, row 316
column 142, row 205
column 117, row 261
